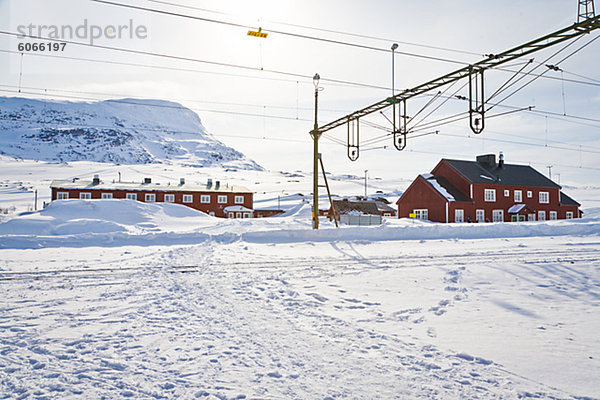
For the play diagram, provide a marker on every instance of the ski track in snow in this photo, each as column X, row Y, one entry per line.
column 291, row 327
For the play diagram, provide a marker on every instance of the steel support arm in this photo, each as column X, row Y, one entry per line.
column 492, row 61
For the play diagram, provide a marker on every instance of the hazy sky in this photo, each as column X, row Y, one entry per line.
column 268, row 113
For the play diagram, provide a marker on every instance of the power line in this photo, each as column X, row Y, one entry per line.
column 253, row 105
column 470, row 155
column 146, row 129
column 387, row 40
column 429, row 125
column 297, row 35
column 181, row 58
column 167, row 106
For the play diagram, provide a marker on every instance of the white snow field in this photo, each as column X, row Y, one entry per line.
column 120, row 299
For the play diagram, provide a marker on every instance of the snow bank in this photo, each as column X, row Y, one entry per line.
column 73, row 217
column 82, row 223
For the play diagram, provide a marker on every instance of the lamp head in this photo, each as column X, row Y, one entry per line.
column 394, row 46
column 316, row 80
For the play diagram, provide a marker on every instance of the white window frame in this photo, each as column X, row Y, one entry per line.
column 518, row 196
column 480, row 215
column 131, row 196
column 553, row 215
column 230, row 215
column 239, row 200
column 150, row 198
column 544, row 198
column 541, row 215
column 106, row 196
column 498, row 215
column 569, row 215
column 246, row 215
column 169, row 198
column 238, row 214
column 506, row 193
column 530, row 217
column 188, row 198
column 529, row 194
column 222, row 199
column 421, row 213
column 205, row 198
column 62, row 195
column 85, row 196
column 489, row 195
column 459, row 215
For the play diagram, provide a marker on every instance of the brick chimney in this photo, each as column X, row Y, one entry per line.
column 487, row 161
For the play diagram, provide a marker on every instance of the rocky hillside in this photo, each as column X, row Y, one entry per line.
column 124, row 131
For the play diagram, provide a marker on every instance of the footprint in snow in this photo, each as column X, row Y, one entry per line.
column 318, row 297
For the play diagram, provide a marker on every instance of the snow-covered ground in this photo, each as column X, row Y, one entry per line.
column 119, row 299
column 123, row 299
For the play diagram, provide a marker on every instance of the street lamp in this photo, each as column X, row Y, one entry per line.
column 315, row 135
column 394, row 47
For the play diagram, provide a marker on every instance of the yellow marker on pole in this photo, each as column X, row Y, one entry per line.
column 259, row 34
column 412, row 215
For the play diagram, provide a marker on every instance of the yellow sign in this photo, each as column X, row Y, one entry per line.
column 412, row 215
column 259, row 34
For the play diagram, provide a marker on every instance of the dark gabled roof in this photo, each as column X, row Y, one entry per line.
column 450, row 188
column 365, row 207
column 383, row 207
column 567, row 201
column 508, row 174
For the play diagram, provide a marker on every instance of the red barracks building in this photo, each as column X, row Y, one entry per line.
column 484, row 191
column 213, row 199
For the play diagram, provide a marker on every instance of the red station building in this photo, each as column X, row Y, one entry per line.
column 485, row 191
column 213, row 198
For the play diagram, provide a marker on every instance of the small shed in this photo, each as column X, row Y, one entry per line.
column 357, row 212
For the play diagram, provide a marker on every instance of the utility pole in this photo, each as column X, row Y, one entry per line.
column 315, row 135
column 394, row 47
column 366, row 170
column 549, row 171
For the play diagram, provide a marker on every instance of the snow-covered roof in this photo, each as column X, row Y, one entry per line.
column 89, row 185
column 236, row 209
column 516, row 208
column 436, row 185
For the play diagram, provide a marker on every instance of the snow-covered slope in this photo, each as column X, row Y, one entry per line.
column 125, row 131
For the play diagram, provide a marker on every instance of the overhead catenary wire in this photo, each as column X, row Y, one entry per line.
column 124, row 100
column 180, row 58
column 280, row 32
column 566, row 118
column 352, row 34
column 299, row 35
column 357, row 35
column 175, row 107
column 440, row 122
column 556, row 53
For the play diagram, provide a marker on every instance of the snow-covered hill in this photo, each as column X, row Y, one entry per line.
column 125, row 131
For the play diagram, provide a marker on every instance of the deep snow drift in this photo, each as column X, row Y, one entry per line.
column 82, row 223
